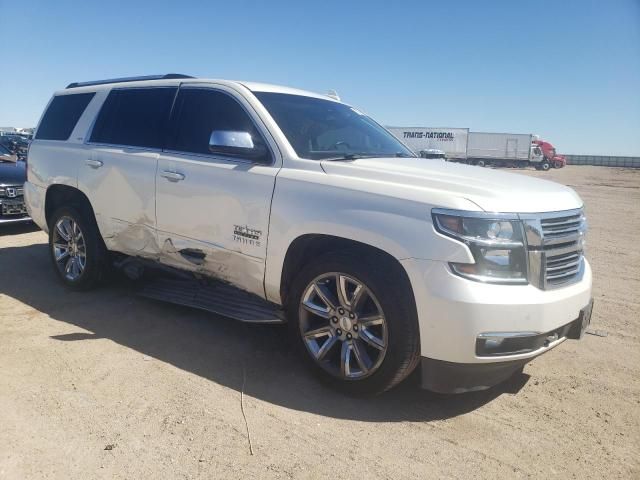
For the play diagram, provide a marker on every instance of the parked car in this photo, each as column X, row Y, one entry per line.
column 12, row 178
column 432, row 153
column 302, row 209
column 15, row 144
column 7, row 155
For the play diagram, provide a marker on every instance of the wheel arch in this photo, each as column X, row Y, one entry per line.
column 59, row 195
column 308, row 246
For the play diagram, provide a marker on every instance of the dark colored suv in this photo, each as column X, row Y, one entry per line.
column 12, row 178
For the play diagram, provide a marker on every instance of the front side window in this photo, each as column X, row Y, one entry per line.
column 134, row 117
column 321, row 129
column 62, row 115
column 198, row 112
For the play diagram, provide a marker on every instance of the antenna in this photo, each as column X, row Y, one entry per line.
column 333, row 94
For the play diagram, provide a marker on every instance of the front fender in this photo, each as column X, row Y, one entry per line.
column 400, row 227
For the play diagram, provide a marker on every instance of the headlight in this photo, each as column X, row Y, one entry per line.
column 496, row 243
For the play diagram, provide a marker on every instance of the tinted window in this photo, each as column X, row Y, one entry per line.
column 62, row 115
column 318, row 128
column 135, row 117
column 199, row 112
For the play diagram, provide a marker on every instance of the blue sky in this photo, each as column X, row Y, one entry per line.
column 567, row 70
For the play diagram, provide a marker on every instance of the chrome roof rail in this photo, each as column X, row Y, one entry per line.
column 167, row 76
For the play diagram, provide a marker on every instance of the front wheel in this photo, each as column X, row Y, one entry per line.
column 76, row 249
column 356, row 327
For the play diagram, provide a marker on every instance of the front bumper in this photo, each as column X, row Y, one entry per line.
column 449, row 377
column 18, row 217
column 8, row 220
column 453, row 312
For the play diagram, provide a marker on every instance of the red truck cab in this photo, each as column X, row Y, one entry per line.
column 549, row 152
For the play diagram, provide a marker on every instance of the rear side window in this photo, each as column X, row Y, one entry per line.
column 198, row 112
column 62, row 115
column 135, row 117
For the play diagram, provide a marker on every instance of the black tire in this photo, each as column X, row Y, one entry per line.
column 389, row 284
column 481, row 163
column 545, row 165
column 95, row 250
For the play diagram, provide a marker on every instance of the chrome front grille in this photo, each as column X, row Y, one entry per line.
column 561, row 229
column 16, row 190
column 555, row 244
column 563, row 267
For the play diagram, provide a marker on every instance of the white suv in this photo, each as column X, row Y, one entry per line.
column 286, row 205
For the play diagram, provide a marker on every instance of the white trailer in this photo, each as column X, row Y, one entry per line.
column 474, row 148
column 452, row 141
column 500, row 148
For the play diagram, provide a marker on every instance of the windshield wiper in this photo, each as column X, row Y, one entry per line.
column 356, row 156
column 348, row 156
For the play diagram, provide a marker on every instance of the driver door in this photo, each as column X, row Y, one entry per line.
column 213, row 210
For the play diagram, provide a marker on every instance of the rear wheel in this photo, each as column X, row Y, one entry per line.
column 545, row 165
column 357, row 328
column 77, row 251
column 481, row 163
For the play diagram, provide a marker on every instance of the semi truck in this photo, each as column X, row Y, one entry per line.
column 549, row 152
column 481, row 148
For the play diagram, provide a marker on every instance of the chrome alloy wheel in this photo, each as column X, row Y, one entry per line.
column 343, row 326
column 69, row 248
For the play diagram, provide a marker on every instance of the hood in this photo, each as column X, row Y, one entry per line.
column 491, row 190
column 12, row 173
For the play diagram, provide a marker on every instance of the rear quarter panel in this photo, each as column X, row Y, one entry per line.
column 55, row 161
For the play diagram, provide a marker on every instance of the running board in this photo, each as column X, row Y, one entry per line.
column 215, row 297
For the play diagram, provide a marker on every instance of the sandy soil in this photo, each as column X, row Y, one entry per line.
column 109, row 385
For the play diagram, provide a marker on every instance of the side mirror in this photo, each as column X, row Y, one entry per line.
column 237, row 144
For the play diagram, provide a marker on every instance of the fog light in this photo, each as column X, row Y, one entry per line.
column 507, row 343
column 492, row 343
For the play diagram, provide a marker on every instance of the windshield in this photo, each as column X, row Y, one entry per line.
column 322, row 129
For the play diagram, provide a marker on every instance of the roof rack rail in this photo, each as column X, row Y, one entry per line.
column 167, row 76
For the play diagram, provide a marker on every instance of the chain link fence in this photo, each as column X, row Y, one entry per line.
column 604, row 161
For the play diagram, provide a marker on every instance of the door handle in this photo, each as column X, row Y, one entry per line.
column 94, row 163
column 172, row 176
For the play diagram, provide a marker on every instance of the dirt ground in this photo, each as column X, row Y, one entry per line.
column 109, row 385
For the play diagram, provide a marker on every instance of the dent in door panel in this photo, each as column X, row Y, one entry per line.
column 240, row 270
column 132, row 239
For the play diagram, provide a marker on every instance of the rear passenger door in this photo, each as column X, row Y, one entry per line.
column 213, row 210
column 118, row 175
